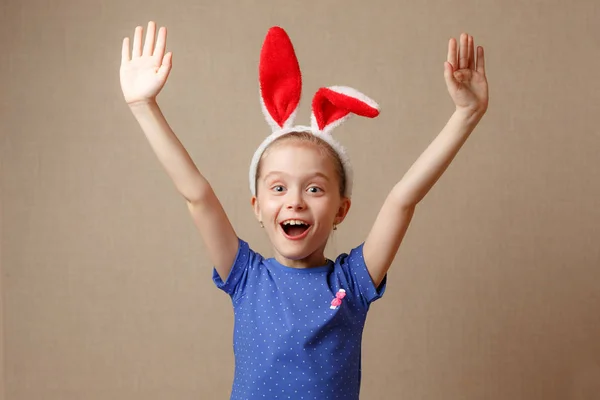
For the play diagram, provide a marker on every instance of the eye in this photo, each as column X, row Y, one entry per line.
column 315, row 189
column 278, row 188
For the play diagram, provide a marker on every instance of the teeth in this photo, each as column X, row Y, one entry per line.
column 293, row 222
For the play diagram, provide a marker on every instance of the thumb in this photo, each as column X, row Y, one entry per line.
column 451, row 81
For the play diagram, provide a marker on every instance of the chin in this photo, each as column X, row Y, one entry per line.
column 295, row 254
column 296, row 251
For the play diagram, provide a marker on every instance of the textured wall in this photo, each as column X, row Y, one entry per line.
column 106, row 288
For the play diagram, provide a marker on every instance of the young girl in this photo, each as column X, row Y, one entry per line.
column 299, row 317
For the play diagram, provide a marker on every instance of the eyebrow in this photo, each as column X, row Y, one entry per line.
column 316, row 174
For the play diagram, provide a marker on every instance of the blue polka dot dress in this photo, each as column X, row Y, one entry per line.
column 298, row 332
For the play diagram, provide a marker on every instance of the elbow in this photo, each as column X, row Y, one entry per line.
column 196, row 191
column 404, row 200
column 196, row 196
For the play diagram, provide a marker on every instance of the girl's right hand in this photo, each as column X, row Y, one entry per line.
column 145, row 71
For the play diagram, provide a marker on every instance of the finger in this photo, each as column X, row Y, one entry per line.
column 125, row 51
column 471, row 52
column 137, row 42
column 161, row 43
column 451, row 82
column 452, row 53
column 463, row 56
column 149, row 43
column 480, row 60
column 167, row 59
column 165, row 67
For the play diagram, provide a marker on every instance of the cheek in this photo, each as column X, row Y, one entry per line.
column 326, row 209
column 268, row 205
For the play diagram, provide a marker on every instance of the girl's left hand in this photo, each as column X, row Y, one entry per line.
column 465, row 76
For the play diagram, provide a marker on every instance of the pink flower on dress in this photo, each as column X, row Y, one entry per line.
column 335, row 303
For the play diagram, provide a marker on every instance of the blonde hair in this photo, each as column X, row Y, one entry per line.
column 313, row 140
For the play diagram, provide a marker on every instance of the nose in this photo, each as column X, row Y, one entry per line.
column 295, row 200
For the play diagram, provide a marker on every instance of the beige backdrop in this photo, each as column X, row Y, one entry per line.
column 106, row 288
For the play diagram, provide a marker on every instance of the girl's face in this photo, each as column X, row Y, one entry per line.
column 298, row 201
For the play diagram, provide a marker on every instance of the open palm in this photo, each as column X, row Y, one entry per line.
column 144, row 72
column 465, row 76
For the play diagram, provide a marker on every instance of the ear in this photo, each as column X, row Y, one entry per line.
column 280, row 80
column 333, row 105
column 256, row 208
column 345, row 204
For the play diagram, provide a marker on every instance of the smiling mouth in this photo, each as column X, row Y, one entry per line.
column 295, row 229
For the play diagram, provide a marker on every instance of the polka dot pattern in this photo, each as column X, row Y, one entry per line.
column 289, row 342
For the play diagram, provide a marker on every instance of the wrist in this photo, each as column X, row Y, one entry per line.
column 469, row 115
column 142, row 107
column 142, row 103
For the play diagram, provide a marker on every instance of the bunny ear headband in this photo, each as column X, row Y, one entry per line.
column 280, row 88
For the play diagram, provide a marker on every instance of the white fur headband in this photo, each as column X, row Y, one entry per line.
column 280, row 88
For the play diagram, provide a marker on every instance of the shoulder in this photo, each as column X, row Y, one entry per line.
column 246, row 256
column 353, row 258
column 245, row 263
column 352, row 269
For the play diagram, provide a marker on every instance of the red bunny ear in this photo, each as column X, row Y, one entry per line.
column 333, row 105
column 280, row 79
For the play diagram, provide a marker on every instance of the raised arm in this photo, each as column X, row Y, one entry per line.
column 467, row 85
column 144, row 72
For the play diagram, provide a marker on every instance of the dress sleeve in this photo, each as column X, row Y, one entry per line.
column 358, row 277
column 235, row 282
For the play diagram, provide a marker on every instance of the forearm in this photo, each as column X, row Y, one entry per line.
column 170, row 152
column 434, row 161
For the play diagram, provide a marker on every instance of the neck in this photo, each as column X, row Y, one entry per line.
column 317, row 259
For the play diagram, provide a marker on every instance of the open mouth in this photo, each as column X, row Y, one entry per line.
column 294, row 228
